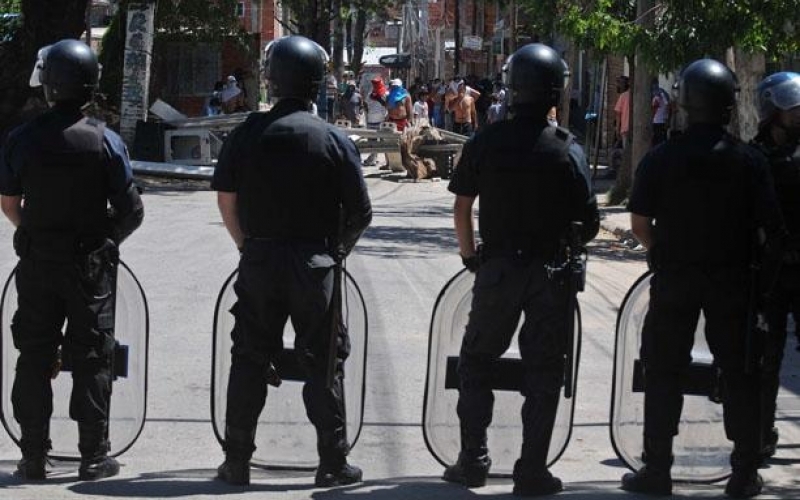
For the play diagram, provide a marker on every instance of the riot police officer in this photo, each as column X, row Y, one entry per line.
column 292, row 196
column 58, row 173
column 533, row 181
column 779, row 139
column 696, row 205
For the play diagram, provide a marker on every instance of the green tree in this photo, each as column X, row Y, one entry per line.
column 360, row 11
column 43, row 22
column 665, row 35
column 313, row 19
column 681, row 30
column 200, row 20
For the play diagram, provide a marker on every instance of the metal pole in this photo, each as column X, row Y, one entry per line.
column 457, row 36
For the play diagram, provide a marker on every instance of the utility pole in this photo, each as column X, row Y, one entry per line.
column 136, row 67
column 512, row 44
column 457, row 36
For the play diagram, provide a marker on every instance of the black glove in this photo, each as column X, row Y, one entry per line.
column 472, row 263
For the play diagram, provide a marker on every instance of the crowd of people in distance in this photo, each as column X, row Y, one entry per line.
column 461, row 105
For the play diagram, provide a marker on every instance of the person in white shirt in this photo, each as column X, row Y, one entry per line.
column 421, row 112
column 376, row 111
column 661, row 112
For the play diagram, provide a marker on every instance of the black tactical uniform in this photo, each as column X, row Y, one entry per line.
column 780, row 93
column 532, row 180
column 67, row 168
column 708, row 193
column 297, row 181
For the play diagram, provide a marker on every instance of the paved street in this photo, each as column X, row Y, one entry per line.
column 182, row 254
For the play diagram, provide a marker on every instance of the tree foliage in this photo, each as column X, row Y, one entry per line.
column 199, row 20
column 683, row 30
column 43, row 22
column 313, row 19
column 7, row 6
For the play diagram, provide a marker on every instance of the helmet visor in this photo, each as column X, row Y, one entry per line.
column 35, row 80
column 785, row 95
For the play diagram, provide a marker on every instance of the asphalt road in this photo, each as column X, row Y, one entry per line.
column 182, row 254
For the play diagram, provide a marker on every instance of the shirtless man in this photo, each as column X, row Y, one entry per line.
column 465, row 117
column 399, row 105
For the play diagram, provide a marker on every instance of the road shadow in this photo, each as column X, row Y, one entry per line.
column 433, row 488
column 57, row 473
column 195, row 482
column 392, row 242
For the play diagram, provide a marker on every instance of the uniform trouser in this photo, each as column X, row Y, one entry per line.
column 50, row 293
column 785, row 299
column 677, row 296
column 504, row 288
column 278, row 281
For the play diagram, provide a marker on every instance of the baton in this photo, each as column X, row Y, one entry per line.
column 336, row 324
column 575, row 275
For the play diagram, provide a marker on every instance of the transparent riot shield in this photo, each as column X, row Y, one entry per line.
column 284, row 437
column 440, row 424
column 701, row 449
column 129, row 390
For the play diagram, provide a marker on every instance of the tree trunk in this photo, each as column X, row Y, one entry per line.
column 642, row 114
column 749, row 69
column 359, row 35
column 338, row 39
column 348, row 36
column 571, row 57
column 44, row 22
column 641, row 130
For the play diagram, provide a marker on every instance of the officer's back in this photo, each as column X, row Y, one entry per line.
column 699, row 186
column 289, row 179
column 65, row 182
column 526, row 179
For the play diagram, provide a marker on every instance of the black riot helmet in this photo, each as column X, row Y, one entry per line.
column 536, row 76
column 294, row 66
column 68, row 70
column 707, row 92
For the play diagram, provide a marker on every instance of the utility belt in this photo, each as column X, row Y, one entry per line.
column 266, row 241
column 54, row 247
column 522, row 252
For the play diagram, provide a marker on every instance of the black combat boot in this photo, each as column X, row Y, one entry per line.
column 333, row 468
column 35, row 444
column 93, row 445
column 239, row 447
column 531, row 477
column 472, row 467
column 654, row 478
column 770, row 443
column 530, row 482
column 745, row 481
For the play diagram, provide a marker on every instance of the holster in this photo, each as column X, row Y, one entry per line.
column 22, row 242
